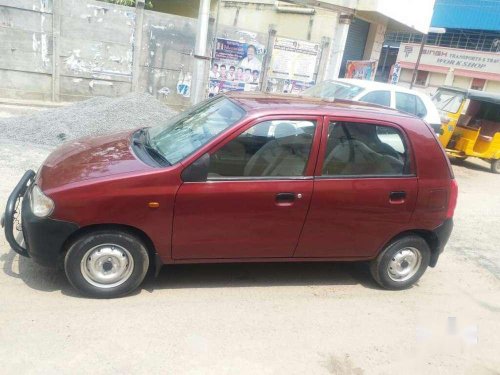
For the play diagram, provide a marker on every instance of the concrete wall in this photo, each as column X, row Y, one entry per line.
column 93, row 43
column 95, row 53
column 258, row 17
column 26, row 49
column 436, row 80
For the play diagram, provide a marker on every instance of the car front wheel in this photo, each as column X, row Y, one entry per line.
column 106, row 264
column 401, row 263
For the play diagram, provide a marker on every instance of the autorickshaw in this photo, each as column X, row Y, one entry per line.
column 470, row 124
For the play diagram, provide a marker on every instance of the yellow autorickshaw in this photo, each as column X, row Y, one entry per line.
column 470, row 124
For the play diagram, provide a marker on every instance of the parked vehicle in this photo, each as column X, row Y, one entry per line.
column 471, row 124
column 241, row 178
column 397, row 97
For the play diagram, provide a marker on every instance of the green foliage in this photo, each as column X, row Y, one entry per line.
column 129, row 3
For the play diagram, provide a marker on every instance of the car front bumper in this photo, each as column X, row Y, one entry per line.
column 44, row 237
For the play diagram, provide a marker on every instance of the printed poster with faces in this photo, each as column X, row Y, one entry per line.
column 236, row 66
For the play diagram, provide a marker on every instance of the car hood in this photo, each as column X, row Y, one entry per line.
column 89, row 158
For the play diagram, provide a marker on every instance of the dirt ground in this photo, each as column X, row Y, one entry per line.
column 264, row 318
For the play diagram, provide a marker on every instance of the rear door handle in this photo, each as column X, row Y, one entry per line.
column 285, row 197
column 397, row 197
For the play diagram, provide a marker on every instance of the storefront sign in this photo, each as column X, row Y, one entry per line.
column 476, row 61
column 361, row 69
column 236, row 66
column 293, row 65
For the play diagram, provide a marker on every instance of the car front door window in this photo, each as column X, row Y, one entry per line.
column 277, row 148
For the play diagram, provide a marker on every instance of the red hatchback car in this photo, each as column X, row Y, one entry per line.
column 241, row 178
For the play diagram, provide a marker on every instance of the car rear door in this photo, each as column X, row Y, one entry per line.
column 365, row 189
column 255, row 199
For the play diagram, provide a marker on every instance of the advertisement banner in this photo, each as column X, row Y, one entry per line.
column 394, row 74
column 361, row 69
column 293, row 64
column 236, row 66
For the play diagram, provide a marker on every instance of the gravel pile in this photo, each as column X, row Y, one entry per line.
column 98, row 115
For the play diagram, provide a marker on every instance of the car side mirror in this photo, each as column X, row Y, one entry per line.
column 198, row 170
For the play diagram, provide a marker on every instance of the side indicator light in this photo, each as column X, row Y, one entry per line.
column 153, row 204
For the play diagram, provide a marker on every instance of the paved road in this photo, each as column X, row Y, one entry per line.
column 264, row 318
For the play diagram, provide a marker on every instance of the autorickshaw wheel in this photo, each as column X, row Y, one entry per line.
column 461, row 158
column 495, row 166
column 106, row 263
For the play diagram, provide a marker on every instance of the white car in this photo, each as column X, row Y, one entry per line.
column 385, row 94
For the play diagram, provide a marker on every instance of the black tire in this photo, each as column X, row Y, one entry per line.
column 495, row 166
column 460, row 159
column 380, row 267
column 120, row 245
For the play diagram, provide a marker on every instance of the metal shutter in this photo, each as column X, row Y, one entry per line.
column 355, row 43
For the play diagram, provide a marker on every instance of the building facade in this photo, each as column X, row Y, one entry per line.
column 75, row 49
column 467, row 55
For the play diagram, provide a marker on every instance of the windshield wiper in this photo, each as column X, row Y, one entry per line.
column 141, row 139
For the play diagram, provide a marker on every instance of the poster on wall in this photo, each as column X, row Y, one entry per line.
column 236, row 66
column 293, row 65
column 361, row 69
column 394, row 74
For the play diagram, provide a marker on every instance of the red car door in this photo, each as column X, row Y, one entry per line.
column 365, row 190
column 256, row 197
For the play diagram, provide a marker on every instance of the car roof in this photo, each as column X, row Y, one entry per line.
column 373, row 85
column 476, row 94
column 264, row 103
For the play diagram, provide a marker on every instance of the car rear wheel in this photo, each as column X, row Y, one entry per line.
column 401, row 263
column 495, row 166
column 106, row 264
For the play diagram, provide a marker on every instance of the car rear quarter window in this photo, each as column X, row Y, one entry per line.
column 421, row 110
column 360, row 149
column 406, row 102
column 381, row 97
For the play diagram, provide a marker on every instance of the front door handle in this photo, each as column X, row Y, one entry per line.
column 397, row 197
column 285, row 197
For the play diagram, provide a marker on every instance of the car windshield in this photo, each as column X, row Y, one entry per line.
column 192, row 129
column 333, row 89
column 448, row 100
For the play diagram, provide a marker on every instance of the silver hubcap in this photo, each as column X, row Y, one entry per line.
column 107, row 266
column 404, row 264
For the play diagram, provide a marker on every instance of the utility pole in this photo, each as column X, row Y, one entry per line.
column 415, row 69
column 435, row 30
column 136, row 68
column 198, row 83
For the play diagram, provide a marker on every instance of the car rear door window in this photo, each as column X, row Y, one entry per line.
column 359, row 149
column 270, row 148
column 381, row 97
column 406, row 102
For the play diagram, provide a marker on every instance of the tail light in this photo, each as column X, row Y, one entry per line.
column 452, row 201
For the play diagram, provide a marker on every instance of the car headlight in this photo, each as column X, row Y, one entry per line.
column 41, row 205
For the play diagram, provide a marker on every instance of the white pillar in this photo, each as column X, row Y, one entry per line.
column 199, row 79
column 136, row 67
column 336, row 51
column 450, row 76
